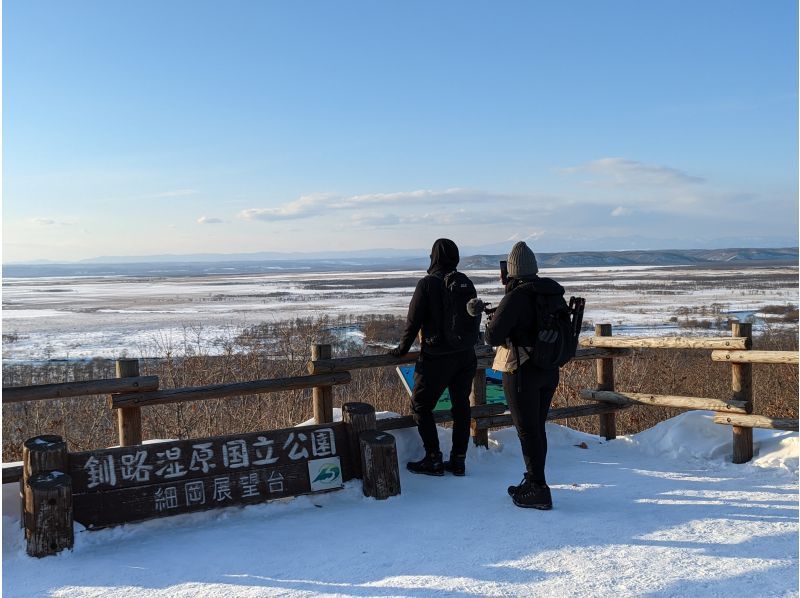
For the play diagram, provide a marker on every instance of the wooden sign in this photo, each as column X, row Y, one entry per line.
column 118, row 485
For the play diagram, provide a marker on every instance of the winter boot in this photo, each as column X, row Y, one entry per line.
column 533, row 496
column 456, row 464
column 430, row 465
column 512, row 490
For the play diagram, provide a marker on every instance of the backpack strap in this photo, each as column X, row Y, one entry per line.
column 441, row 275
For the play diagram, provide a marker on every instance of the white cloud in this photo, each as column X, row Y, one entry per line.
column 452, row 217
column 454, row 195
column 630, row 188
column 303, row 207
column 173, row 193
column 207, row 220
column 51, row 222
column 452, row 204
column 376, row 220
column 624, row 172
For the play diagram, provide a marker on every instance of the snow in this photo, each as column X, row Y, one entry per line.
column 80, row 317
column 662, row 513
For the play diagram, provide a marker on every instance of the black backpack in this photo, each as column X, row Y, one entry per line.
column 558, row 326
column 459, row 329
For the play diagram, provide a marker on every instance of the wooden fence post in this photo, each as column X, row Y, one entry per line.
column 605, row 381
column 322, row 395
column 47, row 510
column 129, row 419
column 478, row 397
column 742, row 386
column 357, row 417
column 379, row 464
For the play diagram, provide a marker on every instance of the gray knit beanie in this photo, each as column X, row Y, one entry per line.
column 521, row 261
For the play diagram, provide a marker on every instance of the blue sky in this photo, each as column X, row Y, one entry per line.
column 138, row 128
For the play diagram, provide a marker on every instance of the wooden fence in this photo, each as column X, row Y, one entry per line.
column 130, row 392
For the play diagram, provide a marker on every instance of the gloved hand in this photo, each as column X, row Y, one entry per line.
column 396, row 352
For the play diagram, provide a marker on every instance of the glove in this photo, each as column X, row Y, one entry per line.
column 396, row 352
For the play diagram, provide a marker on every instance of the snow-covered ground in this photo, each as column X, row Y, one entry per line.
column 661, row 513
column 84, row 317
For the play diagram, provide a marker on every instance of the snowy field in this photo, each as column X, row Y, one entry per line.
column 82, row 317
column 661, row 513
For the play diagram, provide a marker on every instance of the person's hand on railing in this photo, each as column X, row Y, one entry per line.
column 396, row 352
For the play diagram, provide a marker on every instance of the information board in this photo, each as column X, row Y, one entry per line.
column 494, row 387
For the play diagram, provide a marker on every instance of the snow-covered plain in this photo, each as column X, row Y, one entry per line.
column 84, row 317
column 661, row 513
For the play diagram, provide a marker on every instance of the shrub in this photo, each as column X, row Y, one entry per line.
column 279, row 349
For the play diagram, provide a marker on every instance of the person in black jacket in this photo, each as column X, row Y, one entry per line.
column 529, row 390
column 438, row 367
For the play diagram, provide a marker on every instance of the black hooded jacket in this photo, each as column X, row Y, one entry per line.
column 425, row 311
column 515, row 317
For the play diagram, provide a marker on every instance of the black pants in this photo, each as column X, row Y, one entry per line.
column 432, row 374
column 529, row 392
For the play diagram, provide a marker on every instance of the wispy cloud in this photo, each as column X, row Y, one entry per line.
column 173, row 193
column 445, row 206
column 302, row 207
column 439, row 197
column 621, row 211
column 51, row 222
column 377, row 220
column 446, row 217
column 624, row 172
column 208, row 220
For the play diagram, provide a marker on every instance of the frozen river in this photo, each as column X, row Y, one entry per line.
column 81, row 317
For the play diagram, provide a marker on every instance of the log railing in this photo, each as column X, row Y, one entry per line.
column 790, row 357
column 235, row 389
column 737, row 411
column 130, row 392
column 43, row 392
column 669, row 342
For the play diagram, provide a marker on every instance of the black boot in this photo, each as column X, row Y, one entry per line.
column 431, row 464
column 530, row 495
column 456, row 464
column 512, row 490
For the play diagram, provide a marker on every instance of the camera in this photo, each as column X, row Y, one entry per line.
column 475, row 307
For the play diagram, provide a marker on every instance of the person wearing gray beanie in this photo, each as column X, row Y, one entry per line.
column 528, row 389
column 521, row 261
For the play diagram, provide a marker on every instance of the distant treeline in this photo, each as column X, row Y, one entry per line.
column 235, row 265
column 665, row 257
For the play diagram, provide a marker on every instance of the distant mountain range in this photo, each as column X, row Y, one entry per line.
column 661, row 257
column 545, row 245
column 215, row 265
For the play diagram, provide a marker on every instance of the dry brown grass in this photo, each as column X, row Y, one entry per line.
column 283, row 349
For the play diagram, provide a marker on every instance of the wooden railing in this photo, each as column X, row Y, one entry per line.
column 737, row 411
column 129, row 392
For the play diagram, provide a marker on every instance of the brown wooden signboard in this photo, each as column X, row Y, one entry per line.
column 118, row 485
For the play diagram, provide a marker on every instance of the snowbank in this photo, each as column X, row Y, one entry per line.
column 659, row 513
column 694, row 436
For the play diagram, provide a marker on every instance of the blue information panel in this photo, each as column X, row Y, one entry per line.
column 494, row 387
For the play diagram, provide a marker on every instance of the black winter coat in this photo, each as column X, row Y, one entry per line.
column 426, row 310
column 515, row 317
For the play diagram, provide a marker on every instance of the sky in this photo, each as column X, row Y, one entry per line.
column 151, row 127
